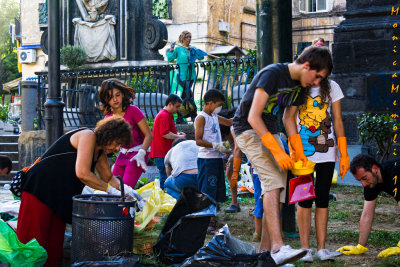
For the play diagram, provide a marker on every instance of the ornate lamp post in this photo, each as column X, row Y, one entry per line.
column 54, row 105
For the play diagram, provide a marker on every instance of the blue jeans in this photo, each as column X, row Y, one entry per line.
column 161, row 169
column 175, row 185
column 259, row 209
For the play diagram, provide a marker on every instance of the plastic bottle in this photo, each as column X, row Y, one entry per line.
column 157, row 181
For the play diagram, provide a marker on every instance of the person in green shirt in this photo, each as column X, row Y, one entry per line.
column 185, row 56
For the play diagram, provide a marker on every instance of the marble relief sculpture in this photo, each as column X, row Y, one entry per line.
column 95, row 31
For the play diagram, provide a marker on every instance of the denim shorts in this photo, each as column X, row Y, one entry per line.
column 211, row 178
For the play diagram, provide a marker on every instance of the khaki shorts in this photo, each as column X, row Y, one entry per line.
column 270, row 174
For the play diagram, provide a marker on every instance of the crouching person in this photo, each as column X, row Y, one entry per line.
column 181, row 166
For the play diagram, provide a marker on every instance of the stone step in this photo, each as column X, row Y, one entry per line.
column 13, row 155
column 15, row 165
column 9, row 138
column 8, row 146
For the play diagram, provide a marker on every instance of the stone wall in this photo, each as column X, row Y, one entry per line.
column 363, row 57
column 31, row 145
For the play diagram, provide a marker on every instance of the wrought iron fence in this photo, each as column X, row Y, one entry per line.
column 153, row 84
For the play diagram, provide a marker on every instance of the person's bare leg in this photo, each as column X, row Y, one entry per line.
column 271, row 221
column 321, row 224
column 265, row 243
column 304, row 223
column 257, row 225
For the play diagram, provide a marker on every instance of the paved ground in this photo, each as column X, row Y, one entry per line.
column 352, row 150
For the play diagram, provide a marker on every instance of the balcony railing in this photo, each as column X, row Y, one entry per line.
column 153, row 84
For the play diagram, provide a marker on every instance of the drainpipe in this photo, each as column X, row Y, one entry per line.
column 229, row 20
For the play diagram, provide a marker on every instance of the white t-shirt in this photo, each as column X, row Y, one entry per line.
column 314, row 123
column 211, row 134
column 182, row 157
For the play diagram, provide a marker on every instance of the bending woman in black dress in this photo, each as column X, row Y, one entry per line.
column 65, row 168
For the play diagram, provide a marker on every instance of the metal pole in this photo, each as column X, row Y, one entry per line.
column 274, row 44
column 264, row 33
column 54, row 105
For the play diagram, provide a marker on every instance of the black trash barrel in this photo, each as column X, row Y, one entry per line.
column 102, row 225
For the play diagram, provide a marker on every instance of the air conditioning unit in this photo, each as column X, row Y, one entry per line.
column 223, row 26
column 27, row 56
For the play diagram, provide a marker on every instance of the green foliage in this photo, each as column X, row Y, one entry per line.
column 380, row 129
column 4, row 110
column 150, row 122
column 9, row 9
column 160, row 9
column 144, row 83
column 73, row 57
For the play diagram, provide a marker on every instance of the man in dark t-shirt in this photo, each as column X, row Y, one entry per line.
column 275, row 88
column 375, row 178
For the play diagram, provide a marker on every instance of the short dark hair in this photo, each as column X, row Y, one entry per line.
column 106, row 91
column 319, row 57
column 111, row 129
column 362, row 161
column 173, row 98
column 213, row 95
column 5, row 162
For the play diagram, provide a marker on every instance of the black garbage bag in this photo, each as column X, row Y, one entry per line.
column 226, row 250
column 185, row 230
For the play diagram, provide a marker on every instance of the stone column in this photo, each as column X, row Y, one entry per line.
column 28, row 103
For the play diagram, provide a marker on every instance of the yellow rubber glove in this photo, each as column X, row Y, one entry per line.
column 236, row 168
column 352, row 250
column 283, row 159
column 392, row 251
column 298, row 151
column 344, row 164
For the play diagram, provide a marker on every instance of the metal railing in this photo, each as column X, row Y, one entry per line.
column 153, row 84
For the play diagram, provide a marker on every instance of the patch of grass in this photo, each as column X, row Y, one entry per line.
column 339, row 215
column 337, row 262
column 346, row 189
column 377, row 238
column 343, row 236
column 383, row 238
column 388, row 262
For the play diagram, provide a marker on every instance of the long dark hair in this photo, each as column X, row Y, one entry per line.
column 106, row 92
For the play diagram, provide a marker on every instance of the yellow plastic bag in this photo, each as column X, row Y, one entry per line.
column 156, row 201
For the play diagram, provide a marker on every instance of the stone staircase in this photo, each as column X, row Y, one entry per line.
column 9, row 148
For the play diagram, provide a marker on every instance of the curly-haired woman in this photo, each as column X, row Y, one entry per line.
column 64, row 169
column 116, row 98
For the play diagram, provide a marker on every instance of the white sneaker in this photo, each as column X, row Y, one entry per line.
column 288, row 265
column 287, row 254
column 308, row 257
column 326, row 255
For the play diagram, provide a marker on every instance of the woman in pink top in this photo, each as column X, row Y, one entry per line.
column 116, row 98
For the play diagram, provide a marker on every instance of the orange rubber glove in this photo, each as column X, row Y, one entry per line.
column 297, row 146
column 344, row 164
column 236, row 168
column 283, row 159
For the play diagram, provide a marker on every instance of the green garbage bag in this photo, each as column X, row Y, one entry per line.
column 18, row 254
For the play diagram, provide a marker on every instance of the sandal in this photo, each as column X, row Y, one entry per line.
column 256, row 237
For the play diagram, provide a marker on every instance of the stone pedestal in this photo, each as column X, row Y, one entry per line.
column 29, row 103
column 363, row 60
